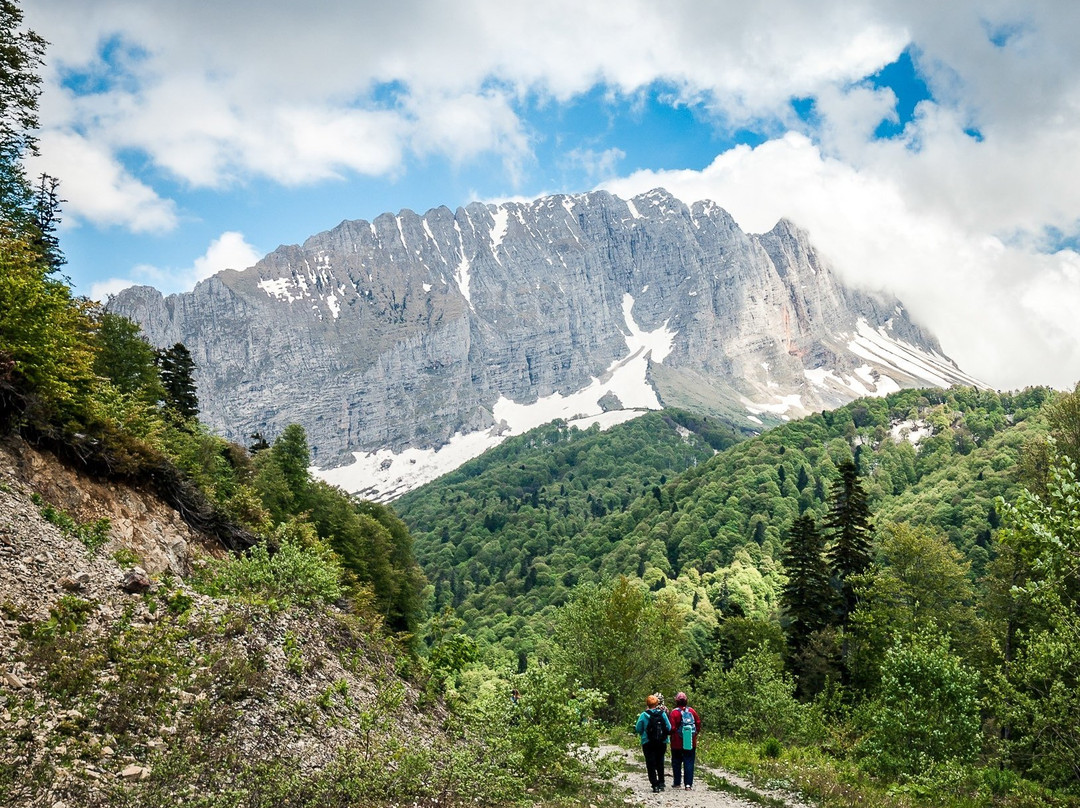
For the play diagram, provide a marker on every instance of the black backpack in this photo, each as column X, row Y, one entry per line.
column 655, row 729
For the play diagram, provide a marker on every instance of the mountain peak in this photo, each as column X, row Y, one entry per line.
column 412, row 336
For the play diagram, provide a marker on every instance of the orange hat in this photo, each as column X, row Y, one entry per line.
column 651, row 701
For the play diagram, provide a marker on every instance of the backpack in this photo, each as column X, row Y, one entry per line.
column 689, row 727
column 655, row 729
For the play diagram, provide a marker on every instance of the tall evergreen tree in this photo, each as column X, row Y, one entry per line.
column 807, row 596
column 849, row 528
column 177, row 370
column 293, row 457
column 21, row 57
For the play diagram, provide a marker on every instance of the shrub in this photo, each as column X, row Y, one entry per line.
column 926, row 711
column 755, row 700
column 299, row 572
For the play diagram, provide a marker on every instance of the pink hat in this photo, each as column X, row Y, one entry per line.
column 680, row 699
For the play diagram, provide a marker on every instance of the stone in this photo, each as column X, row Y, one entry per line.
column 13, row 681
column 133, row 771
column 135, row 581
column 70, row 584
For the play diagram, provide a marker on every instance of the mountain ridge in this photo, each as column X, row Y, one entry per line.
column 411, row 333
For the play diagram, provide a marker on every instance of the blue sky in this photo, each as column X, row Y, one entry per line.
column 929, row 151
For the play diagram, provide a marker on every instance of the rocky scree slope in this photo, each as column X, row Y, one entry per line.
column 114, row 683
column 407, row 330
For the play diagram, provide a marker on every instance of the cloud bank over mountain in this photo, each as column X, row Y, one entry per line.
column 930, row 148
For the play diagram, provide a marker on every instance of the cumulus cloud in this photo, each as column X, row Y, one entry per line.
column 210, row 103
column 1006, row 314
column 228, row 251
column 103, row 290
column 951, row 213
column 98, row 189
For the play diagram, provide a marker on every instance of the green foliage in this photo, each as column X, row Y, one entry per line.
column 848, row 526
column 45, row 335
column 176, row 369
column 65, row 617
column 622, row 641
column 506, row 538
column 126, row 359
column 302, row 571
column 21, row 59
column 93, row 534
column 807, row 596
column 509, row 535
column 918, row 583
column 926, row 710
column 755, row 700
column 538, row 740
column 1038, row 691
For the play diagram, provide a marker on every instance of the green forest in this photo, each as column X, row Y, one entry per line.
column 874, row 605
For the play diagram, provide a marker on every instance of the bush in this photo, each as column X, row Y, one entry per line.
column 755, row 701
column 926, row 711
column 303, row 571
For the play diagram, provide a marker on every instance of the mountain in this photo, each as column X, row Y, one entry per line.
column 391, row 339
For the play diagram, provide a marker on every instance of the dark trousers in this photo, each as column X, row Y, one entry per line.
column 654, row 761
column 682, row 766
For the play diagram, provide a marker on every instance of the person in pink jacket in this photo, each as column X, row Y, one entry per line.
column 685, row 726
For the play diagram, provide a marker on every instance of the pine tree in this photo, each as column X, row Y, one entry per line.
column 849, row 528
column 807, row 596
column 292, row 455
column 177, row 370
column 22, row 54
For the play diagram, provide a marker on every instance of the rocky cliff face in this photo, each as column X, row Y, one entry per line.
column 408, row 330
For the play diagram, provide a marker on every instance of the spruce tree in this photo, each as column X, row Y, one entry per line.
column 807, row 596
column 849, row 528
column 177, row 370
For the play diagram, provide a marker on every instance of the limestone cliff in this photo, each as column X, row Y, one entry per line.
column 407, row 330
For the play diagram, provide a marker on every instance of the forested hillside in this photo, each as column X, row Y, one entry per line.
column 506, row 533
column 888, row 588
column 514, row 532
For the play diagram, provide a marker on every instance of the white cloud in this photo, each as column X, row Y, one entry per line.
column 596, row 164
column 97, row 189
column 211, row 100
column 227, row 251
column 103, row 290
column 1006, row 314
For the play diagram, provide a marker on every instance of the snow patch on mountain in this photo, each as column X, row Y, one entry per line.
column 877, row 346
column 384, row 475
column 911, row 430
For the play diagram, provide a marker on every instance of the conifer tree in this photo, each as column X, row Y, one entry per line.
column 849, row 528
column 21, row 57
column 177, row 370
column 807, row 596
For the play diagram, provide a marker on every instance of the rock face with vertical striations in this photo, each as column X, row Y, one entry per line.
column 402, row 333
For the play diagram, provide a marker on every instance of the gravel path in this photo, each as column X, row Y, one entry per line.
column 639, row 792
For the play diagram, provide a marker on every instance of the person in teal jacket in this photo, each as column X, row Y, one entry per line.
column 654, row 741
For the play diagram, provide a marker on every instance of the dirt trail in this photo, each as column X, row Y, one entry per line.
column 639, row 792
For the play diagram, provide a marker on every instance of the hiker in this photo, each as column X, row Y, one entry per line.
column 653, row 726
column 685, row 726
